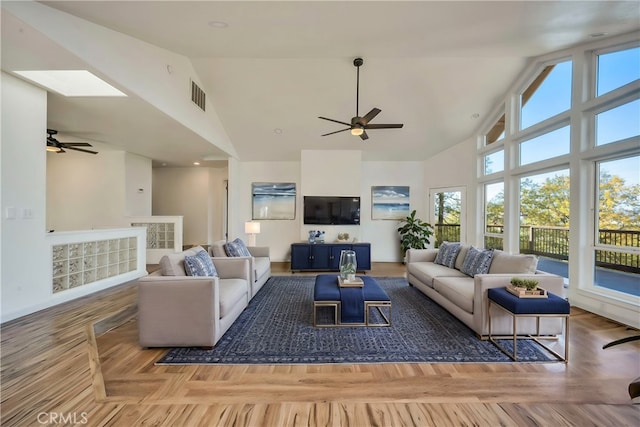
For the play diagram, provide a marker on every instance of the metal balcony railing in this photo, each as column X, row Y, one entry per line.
column 553, row 242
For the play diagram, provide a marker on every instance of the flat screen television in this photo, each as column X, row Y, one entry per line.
column 322, row 210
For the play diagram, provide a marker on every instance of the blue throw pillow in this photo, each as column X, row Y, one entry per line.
column 447, row 254
column 236, row 248
column 199, row 264
column 477, row 261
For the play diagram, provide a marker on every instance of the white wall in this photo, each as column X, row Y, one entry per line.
column 456, row 167
column 137, row 177
column 197, row 194
column 277, row 234
column 353, row 178
column 85, row 191
column 383, row 234
column 26, row 269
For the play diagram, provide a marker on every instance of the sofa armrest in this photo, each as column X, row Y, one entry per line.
column 259, row 251
column 178, row 310
column 234, row 267
column 421, row 255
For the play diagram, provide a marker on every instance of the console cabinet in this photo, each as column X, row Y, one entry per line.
column 326, row 256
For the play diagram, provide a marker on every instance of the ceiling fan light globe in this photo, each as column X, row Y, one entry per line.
column 357, row 131
column 53, row 149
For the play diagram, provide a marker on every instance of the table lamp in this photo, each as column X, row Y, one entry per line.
column 252, row 228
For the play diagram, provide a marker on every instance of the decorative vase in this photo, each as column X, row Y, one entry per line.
column 348, row 265
column 312, row 236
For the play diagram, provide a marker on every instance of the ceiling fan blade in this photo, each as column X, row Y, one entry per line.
column 364, row 136
column 338, row 131
column 384, row 126
column 336, row 121
column 82, row 149
column 76, row 144
column 369, row 116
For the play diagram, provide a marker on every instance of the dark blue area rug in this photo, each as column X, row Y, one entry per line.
column 277, row 328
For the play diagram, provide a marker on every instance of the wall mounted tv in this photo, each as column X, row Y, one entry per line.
column 321, row 210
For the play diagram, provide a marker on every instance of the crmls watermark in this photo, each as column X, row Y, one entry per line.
column 72, row 418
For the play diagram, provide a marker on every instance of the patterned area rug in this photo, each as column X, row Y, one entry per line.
column 277, row 328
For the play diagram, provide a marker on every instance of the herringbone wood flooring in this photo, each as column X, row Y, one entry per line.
column 79, row 363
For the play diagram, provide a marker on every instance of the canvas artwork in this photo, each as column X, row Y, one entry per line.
column 274, row 200
column 389, row 202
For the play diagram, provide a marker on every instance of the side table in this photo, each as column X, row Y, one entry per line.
column 552, row 306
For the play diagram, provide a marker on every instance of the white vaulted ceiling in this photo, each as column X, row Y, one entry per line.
column 278, row 65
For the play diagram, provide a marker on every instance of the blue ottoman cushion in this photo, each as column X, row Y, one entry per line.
column 551, row 305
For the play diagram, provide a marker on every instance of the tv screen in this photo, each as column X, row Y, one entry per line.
column 320, row 210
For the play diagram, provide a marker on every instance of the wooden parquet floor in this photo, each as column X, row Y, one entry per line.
column 79, row 364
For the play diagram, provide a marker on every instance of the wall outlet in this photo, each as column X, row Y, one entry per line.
column 27, row 213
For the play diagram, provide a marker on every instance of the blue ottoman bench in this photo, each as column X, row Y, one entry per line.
column 351, row 306
column 552, row 306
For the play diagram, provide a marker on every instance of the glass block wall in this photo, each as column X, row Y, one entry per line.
column 160, row 235
column 77, row 264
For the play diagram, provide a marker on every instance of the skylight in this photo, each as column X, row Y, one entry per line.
column 71, row 82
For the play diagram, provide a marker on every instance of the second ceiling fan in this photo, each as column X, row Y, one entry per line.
column 359, row 125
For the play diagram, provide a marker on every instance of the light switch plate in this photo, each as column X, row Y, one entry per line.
column 10, row 213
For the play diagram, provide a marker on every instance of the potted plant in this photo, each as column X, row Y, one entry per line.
column 414, row 233
column 527, row 284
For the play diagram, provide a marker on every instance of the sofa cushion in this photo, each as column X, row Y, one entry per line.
column 477, row 261
column 506, row 263
column 217, row 248
column 447, row 254
column 173, row 264
column 231, row 292
column 458, row 290
column 425, row 272
column 199, row 264
column 236, row 248
column 262, row 266
column 461, row 256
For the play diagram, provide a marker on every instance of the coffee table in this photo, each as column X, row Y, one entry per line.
column 351, row 305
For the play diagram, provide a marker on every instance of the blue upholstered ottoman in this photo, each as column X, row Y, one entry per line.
column 552, row 306
column 351, row 305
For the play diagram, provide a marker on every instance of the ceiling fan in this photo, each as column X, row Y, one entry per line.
column 359, row 125
column 58, row 147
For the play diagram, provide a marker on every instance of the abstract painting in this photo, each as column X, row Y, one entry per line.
column 273, row 200
column 389, row 202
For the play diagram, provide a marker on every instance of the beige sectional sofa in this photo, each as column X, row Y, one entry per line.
column 176, row 310
column 466, row 297
column 260, row 263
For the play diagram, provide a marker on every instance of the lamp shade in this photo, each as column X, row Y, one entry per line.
column 251, row 227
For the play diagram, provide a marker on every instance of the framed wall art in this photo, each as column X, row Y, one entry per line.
column 389, row 202
column 273, row 200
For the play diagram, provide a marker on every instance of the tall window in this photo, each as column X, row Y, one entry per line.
column 616, row 69
column 544, row 220
column 494, row 215
column 617, row 253
column 448, row 215
column 618, row 124
column 548, row 95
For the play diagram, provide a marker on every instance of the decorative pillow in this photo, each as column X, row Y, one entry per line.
column 477, row 261
column 199, row 264
column 236, row 248
column 447, row 254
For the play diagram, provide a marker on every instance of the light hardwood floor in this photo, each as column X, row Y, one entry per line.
column 79, row 363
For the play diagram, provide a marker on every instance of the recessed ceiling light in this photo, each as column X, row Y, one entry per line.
column 196, row 163
column 595, row 35
column 71, row 82
column 164, row 164
column 475, row 115
column 218, row 24
column 277, row 130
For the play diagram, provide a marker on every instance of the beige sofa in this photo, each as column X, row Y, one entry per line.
column 466, row 297
column 176, row 310
column 260, row 263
